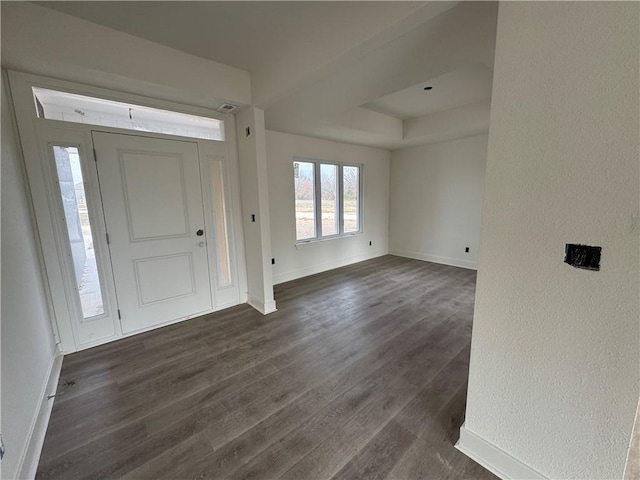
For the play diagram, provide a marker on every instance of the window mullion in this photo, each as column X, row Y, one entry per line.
column 360, row 197
column 317, row 202
column 340, row 203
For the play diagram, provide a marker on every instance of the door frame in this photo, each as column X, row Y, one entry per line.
column 36, row 132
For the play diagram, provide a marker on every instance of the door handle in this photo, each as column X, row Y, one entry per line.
column 200, row 233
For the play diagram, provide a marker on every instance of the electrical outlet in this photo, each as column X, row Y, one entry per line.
column 370, row 243
column 1, row 448
column 582, row 256
column 253, row 217
column 466, row 249
column 273, row 261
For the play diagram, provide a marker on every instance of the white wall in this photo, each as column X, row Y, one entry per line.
column 28, row 347
column 554, row 376
column 464, row 121
column 252, row 161
column 306, row 259
column 436, row 201
column 39, row 40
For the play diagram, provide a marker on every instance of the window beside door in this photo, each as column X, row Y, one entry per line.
column 79, row 232
column 328, row 199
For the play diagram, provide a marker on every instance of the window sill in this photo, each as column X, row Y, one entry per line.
column 326, row 239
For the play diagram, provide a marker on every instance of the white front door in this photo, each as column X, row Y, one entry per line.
column 153, row 208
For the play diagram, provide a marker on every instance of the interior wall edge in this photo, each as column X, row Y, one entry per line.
column 30, row 456
column 32, row 213
column 30, row 354
column 553, row 374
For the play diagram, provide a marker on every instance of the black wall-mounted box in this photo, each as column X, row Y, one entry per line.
column 582, row 256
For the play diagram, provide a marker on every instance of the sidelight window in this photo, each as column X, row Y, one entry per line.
column 79, row 232
column 223, row 259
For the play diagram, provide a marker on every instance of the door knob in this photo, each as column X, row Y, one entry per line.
column 200, row 232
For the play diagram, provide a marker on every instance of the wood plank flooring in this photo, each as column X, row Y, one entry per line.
column 360, row 374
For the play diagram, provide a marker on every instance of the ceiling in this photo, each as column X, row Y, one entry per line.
column 453, row 89
column 248, row 35
column 345, row 71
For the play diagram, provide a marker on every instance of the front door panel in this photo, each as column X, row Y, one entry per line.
column 153, row 212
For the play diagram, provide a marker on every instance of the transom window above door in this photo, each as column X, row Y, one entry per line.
column 70, row 107
column 328, row 201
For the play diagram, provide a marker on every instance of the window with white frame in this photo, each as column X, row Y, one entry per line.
column 327, row 199
column 70, row 107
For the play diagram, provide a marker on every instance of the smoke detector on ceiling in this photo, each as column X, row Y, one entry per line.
column 226, row 108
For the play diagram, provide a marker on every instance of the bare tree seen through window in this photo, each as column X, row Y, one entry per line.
column 311, row 205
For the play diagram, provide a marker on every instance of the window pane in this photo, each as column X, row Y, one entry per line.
column 304, row 182
column 329, row 204
column 351, row 198
column 70, row 107
column 220, row 221
column 76, row 215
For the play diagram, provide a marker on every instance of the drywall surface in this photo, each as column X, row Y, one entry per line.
column 554, row 375
column 436, row 201
column 464, row 121
column 252, row 160
column 295, row 261
column 28, row 347
column 39, row 40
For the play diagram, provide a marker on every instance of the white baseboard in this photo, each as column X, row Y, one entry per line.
column 494, row 459
column 454, row 262
column 28, row 464
column 323, row 267
column 264, row 308
column 269, row 307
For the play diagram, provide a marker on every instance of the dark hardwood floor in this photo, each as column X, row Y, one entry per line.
column 361, row 373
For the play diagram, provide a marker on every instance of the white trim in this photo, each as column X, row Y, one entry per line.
column 635, row 434
column 323, row 267
column 103, row 341
column 270, row 307
column 209, row 152
column 28, row 463
column 224, row 306
column 262, row 307
column 454, row 262
column 311, row 241
column 493, row 458
column 80, row 88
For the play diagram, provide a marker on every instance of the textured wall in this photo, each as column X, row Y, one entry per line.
column 554, row 363
column 436, row 201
